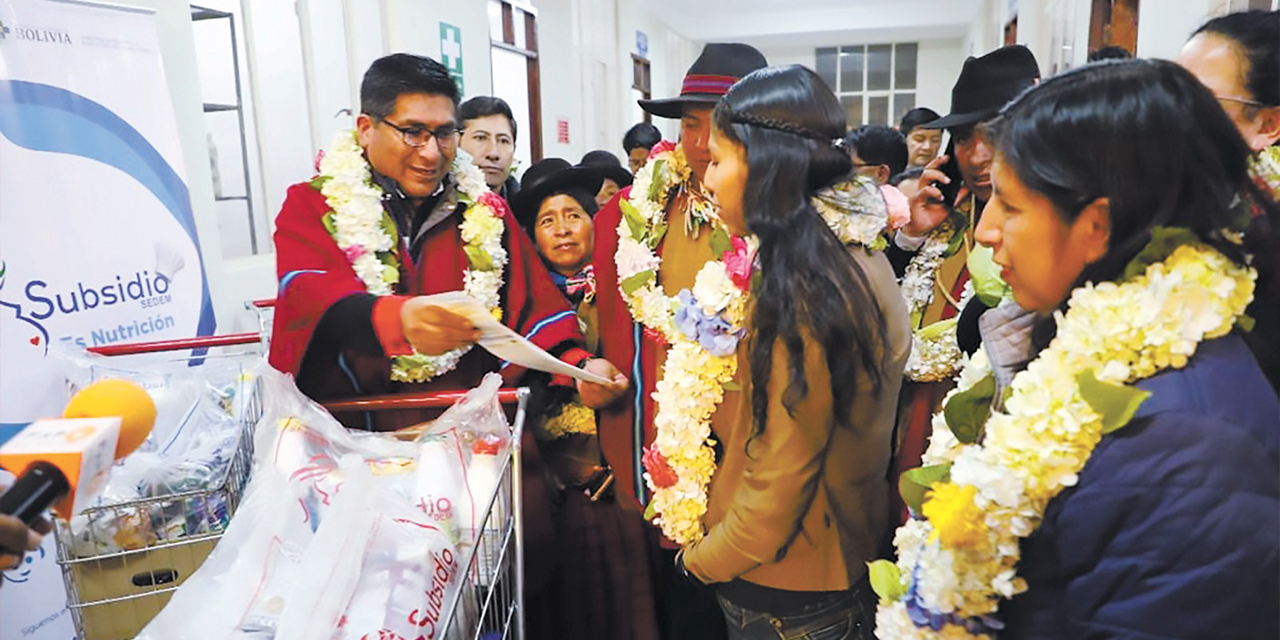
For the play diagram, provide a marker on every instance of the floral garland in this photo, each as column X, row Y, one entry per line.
column 1264, row 168
column 989, row 479
column 367, row 235
column 934, row 352
column 867, row 229
column 703, row 325
column 573, row 418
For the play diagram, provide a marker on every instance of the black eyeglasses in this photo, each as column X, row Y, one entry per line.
column 1243, row 101
column 446, row 136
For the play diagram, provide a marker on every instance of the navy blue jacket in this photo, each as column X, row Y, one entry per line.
column 1174, row 528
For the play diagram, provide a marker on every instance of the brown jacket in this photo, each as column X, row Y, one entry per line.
column 807, row 507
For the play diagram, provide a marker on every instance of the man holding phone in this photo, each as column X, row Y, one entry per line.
column 959, row 181
column 934, row 251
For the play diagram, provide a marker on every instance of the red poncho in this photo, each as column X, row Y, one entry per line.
column 350, row 357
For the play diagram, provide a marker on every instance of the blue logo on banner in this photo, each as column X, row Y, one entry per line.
column 43, row 117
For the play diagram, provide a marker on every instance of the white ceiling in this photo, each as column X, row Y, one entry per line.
column 785, row 23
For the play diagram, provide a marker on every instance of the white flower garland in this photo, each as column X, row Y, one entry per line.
column 935, row 355
column 681, row 462
column 957, row 563
column 867, row 227
column 365, row 232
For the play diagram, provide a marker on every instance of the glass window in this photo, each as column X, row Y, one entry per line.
column 826, row 66
column 495, row 21
column 517, row 19
column 851, row 69
column 853, row 108
column 904, row 66
column 878, row 110
column 879, row 67
column 875, row 83
column 902, row 103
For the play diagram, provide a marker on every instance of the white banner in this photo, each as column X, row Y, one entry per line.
column 97, row 239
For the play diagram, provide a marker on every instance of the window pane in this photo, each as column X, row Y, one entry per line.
column 902, row 103
column 517, row 21
column 511, row 81
column 879, row 58
column 853, row 108
column 495, row 21
column 826, row 66
column 904, row 66
column 878, row 110
column 850, row 69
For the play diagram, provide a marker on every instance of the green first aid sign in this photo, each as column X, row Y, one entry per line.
column 451, row 52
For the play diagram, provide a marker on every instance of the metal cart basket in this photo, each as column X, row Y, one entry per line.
column 112, row 594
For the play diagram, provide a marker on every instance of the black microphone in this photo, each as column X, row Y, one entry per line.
column 34, row 492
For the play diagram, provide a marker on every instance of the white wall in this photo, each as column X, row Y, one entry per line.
column 1162, row 33
column 585, row 49
column 1163, row 26
column 938, row 66
column 670, row 55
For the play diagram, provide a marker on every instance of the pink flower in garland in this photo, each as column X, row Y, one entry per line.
column 739, row 262
column 662, row 147
column 898, row 204
column 660, row 471
column 494, row 203
column 655, row 336
column 354, row 252
column 319, row 157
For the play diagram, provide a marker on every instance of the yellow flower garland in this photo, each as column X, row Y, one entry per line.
column 574, row 418
column 960, row 560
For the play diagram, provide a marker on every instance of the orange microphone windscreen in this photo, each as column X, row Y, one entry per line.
column 115, row 397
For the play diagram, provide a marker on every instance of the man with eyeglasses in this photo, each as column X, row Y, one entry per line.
column 346, row 325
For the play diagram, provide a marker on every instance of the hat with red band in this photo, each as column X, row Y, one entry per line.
column 720, row 66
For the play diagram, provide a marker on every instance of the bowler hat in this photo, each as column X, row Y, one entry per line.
column 608, row 165
column 718, row 68
column 988, row 83
column 546, row 177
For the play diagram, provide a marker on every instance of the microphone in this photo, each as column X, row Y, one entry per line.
column 66, row 461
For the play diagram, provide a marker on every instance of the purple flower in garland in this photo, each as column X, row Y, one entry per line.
column 922, row 616
column 713, row 333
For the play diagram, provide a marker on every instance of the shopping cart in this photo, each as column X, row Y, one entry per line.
column 490, row 603
column 112, row 595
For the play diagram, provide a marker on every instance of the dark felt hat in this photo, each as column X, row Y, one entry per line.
column 988, row 83
column 608, row 165
column 718, row 68
column 546, row 177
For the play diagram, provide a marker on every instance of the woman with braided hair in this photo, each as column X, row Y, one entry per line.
column 799, row 504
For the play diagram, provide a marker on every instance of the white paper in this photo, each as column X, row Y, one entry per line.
column 497, row 339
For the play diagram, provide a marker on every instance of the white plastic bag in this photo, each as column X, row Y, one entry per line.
column 242, row 587
column 377, row 568
column 344, row 534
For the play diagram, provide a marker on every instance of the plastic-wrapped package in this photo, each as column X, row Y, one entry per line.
column 193, row 455
column 347, row 534
column 242, row 587
column 378, row 568
column 302, row 441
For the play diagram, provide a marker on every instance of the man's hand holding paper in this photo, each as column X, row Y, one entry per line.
column 501, row 341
